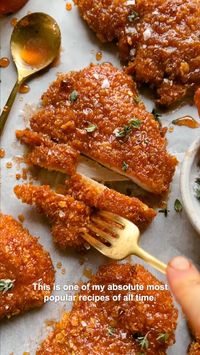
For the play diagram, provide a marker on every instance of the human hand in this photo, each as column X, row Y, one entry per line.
column 184, row 281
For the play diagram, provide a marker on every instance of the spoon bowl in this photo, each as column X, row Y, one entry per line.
column 35, row 43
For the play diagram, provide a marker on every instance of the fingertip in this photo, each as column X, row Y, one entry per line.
column 180, row 263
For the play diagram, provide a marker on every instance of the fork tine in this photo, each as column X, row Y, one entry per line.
column 100, row 222
column 94, row 242
column 101, row 233
column 118, row 219
column 106, row 225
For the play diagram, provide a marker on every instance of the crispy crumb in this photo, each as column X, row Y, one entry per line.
column 59, row 265
column 2, row 153
column 9, row 165
column 18, row 176
column 24, row 173
column 68, row 6
column 87, row 272
column 99, row 55
column 21, row 218
column 171, row 129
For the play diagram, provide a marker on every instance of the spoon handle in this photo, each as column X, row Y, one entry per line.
column 151, row 260
column 8, row 105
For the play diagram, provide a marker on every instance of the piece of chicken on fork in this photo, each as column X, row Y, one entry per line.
column 70, row 214
column 24, row 264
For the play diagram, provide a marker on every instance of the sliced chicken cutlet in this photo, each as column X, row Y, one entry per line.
column 70, row 214
column 23, row 262
column 158, row 39
column 97, row 195
column 103, row 326
column 68, row 217
column 96, row 111
column 47, row 154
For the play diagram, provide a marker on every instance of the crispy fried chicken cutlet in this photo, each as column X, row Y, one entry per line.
column 116, row 327
column 194, row 348
column 70, row 214
column 96, row 111
column 158, row 39
column 23, row 262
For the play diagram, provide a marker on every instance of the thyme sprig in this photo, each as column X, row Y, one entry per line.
column 134, row 123
column 163, row 337
column 6, row 285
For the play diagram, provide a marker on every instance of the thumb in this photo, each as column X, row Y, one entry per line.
column 184, row 280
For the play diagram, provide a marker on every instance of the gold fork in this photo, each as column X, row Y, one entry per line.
column 117, row 238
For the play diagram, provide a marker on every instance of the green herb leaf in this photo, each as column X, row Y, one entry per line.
column 143, row 341
column 165, row 211
column 197, row 188
column 178, row 206
column 137, row 99
column 74, row 96
column 111, row 331
column 91, row 128
column 197, row 181
column 6, row 285
column 133, row 16
column 163, row 337
column 135, row 123
column 157, row 116
column 125, row 166
column 126, row 130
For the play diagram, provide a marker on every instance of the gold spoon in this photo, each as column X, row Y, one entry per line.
column 35, row 43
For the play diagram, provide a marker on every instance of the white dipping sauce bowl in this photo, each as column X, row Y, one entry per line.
column 190, row 170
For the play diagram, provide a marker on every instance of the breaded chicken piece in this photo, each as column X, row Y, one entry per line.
column 70, row 215
column 96, row 111
column 158, row 39
column 23, row 262
column 97, row 195
column 197, row 100
column 47, row 154
column 116, row 327
column 194, row 348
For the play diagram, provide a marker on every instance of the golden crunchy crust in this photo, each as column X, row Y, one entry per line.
column 107, row 99
column 100, row 197
column 160, row 39
column 194, row 348
column 69, row 218
column 47, row 154
column 113, row 327
column 24, row 260
column 197, row 100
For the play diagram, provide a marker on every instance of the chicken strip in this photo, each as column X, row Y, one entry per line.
column 97, row 195
column 47, row 154
column 70, row 217
column 96, row 111
column 159, row 40
column 23, row 262
column 197, row 100
column 98, row 324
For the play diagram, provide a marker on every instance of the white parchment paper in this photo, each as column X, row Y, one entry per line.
column 165, row 238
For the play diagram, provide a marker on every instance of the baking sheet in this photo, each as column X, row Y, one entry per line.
column 165, row 238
